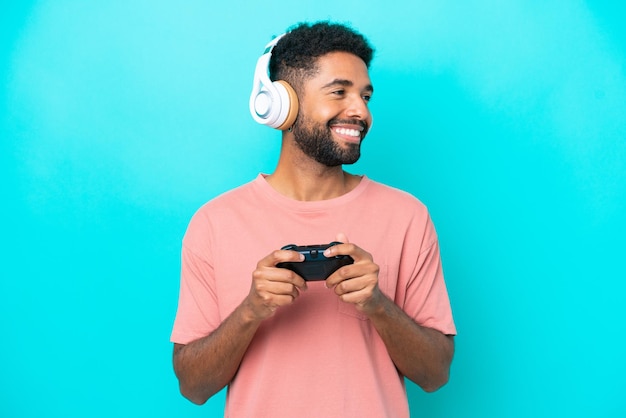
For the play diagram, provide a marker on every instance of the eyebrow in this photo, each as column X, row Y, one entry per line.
column 346, row 83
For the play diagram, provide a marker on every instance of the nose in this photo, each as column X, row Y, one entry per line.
column 358, row 109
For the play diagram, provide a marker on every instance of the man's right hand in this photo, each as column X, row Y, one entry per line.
column 272, row 286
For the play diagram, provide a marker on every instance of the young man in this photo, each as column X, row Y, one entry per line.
column 339, row 347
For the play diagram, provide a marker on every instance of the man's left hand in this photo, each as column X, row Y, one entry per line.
column 355, row 283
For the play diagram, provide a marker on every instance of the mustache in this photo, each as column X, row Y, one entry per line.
column 358, row 122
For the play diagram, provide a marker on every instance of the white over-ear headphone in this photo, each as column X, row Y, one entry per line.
column 272, row 103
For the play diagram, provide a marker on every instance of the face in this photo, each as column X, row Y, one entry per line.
column 334, row 116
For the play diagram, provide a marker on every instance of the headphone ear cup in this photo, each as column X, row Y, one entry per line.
column 288, row 102
column 274, row 104
column 262, row 106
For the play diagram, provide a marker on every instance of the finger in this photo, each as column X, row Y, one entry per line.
column 276, row 289
column 357, row 253
column 346, row 286
column 274, row 275
column 267, row 303
column 268, row 266
column 280, row 256
column 341, row 237
column 356, row 296
column 337, row 277
column 357, row 275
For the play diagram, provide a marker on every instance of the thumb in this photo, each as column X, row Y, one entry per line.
column 341, row 237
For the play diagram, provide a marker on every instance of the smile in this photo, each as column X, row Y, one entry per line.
column 356, row 133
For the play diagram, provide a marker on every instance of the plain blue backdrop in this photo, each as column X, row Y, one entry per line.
column 119, row 119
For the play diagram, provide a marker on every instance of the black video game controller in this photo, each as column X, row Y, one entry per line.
column 315, row 266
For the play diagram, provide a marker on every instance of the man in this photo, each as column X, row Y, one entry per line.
column 284, row 346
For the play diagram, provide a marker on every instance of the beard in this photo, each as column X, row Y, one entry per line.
column 316, row 141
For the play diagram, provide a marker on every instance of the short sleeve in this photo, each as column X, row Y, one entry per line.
column 426, row 297
column 198, row 311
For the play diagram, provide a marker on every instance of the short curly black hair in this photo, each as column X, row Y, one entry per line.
column 294, row 58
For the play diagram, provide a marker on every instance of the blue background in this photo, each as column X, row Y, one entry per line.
column 119, row 119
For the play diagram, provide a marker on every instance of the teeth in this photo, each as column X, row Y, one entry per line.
column 350, row 132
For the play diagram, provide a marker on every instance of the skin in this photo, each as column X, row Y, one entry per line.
column 340, row 91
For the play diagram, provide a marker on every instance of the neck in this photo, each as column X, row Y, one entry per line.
column 299, row 177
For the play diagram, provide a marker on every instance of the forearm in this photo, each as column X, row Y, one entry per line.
column 421, row 354
column 206, row 365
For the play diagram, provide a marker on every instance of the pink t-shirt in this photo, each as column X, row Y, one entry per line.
column 318, row 357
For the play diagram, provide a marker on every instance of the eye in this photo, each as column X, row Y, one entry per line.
column 367, row 97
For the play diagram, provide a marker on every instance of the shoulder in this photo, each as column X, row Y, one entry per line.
column 392, row 197
column 218, row 209
column 225, row 200
column 399, row 209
